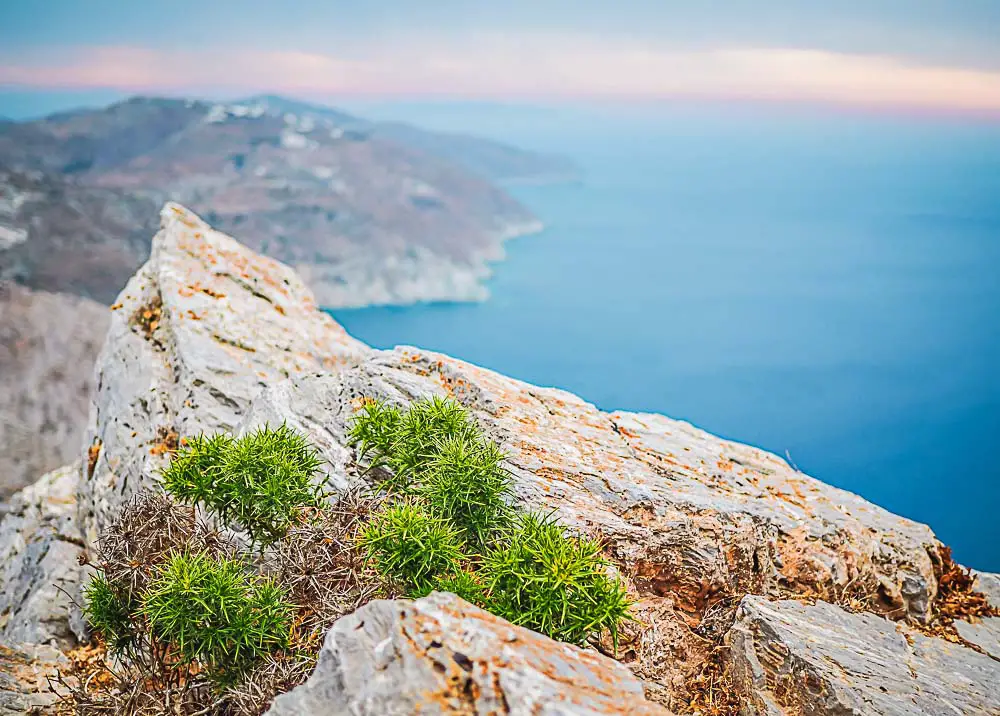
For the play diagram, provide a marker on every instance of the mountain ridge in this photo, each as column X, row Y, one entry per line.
column 368, row 218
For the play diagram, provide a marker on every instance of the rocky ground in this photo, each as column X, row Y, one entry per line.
column 759, row 589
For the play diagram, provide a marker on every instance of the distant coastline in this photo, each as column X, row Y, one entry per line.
column 417, row 277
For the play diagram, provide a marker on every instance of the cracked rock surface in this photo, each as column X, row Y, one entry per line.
column 792, row 658
column 441, row 655
column 39, row 546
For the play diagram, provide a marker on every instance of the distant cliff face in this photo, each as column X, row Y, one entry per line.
column 48, row 346
column 368, row 213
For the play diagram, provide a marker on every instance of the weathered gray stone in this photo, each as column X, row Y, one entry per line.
column 984, row 633
column 27, row 678
column 792, row 658
column 441, row 655
column 988, row 584
column 195, row 335
column 39, row 546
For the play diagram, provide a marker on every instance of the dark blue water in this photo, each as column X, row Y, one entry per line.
column 826, row 286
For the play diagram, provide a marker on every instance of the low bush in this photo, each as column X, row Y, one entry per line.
column 448, row 480
column 542, row 578
column 465, row 483
column 216, row 614
column 263, row 482
column 411, row 546
column 110, row 612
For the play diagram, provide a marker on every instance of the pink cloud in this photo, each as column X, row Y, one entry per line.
column 531, row 65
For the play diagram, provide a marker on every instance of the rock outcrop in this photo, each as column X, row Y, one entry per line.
column 792, row 658
column 694, row 520
column 40, row 542
column 195, row 335
column 441, row 655
column 48, row 345
column 716, row 539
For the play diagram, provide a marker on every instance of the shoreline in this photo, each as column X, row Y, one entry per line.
column 423, row 279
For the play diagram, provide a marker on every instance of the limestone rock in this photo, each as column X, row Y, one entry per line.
column 25, row 673
column 39, row 546
column 439, row 655
column 984, row 633
column 48, row 345
column 194, row 336
column 793, row 658
column 988, row 584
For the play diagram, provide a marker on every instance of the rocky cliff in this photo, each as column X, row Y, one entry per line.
column 759, row 589
column 48, row 345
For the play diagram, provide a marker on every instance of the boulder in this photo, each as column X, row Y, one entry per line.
column 194, row 336
column 441, row 655
column 793, row 658
column 39, row 548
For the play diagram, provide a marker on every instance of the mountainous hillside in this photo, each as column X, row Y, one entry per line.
column 367, row 212
column 494, row 160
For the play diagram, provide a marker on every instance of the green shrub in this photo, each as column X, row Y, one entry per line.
column 465, row 482
column 215, row 613
column 554, row 583
column 261, row 481
column 410, row 546
column 192, row 472
column 373, row 430
column 463, row 584
column 109, row 611
column 405, row 443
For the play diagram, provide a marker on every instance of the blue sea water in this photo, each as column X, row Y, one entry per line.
column 826, row 285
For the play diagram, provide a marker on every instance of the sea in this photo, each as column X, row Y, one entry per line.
column 823, row 284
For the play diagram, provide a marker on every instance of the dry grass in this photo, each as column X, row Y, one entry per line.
column 956, row 600
column 323, row 569
column 149, row 529
column 274, row 676
column 318, row 563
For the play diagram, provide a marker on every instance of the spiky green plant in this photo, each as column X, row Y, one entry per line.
column 216, row 613
column 262, row 482
column 410, row 546
column 406, row 442
column 465, row 482
column 555, row 583
column 110, row 612
column 191, row 474
column 373, row 430
column 463, row 584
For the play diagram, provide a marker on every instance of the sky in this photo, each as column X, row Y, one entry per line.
column 940, row 55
